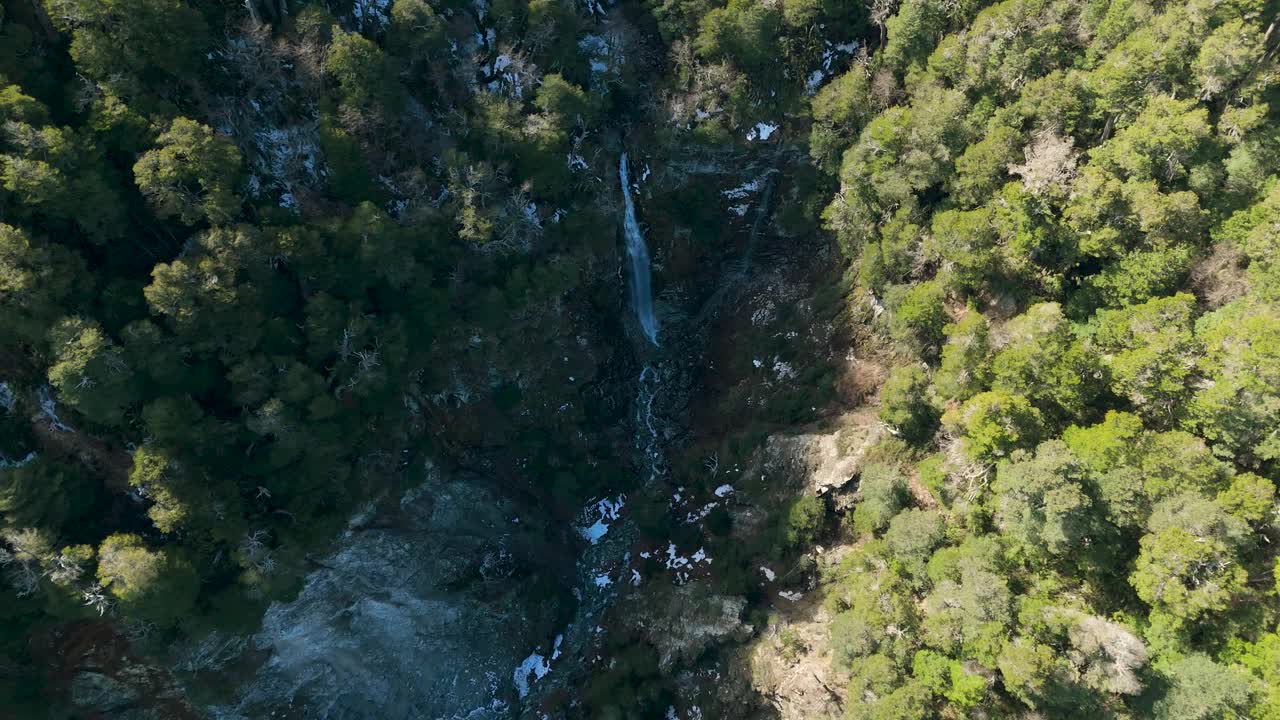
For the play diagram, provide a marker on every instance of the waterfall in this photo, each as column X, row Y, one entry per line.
column 641, row 293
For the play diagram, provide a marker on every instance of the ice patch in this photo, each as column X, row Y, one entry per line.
column 762, row 131
column 724, row 491
column 607, row 510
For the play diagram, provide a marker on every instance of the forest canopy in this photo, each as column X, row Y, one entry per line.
column 245, row 249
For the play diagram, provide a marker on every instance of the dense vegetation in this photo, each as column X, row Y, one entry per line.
column 248, row 249
column 1069, row 212
column 246, row 256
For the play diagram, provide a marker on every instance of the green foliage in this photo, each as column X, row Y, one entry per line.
column 994, row 424
column 365, row 76
column 90, row 372
column 918, row 315
column 1187, row 575
column 41, row 493
column 155, row 585
column 804, row 521
column 1044, row 361
column 1202, row 689
column 1042, row 502
column 190, row 174
column 883, row 492
column 1152, row 353
column 37, row 282
column 904, row 403
column 965, row 369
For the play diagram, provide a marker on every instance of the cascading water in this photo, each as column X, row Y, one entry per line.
column 641, row 292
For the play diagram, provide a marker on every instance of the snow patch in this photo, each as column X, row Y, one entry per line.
column 603, row 580
column 768, row 574
column 790, row 595
column 7, row 401
column 535, row 665
column 724, row 491
column 762, row 131
column 742, row 190
column 607, row 511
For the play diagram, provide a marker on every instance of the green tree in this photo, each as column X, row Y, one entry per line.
column 918, row 315
column 1185, row 575
column 1045, row 361
column 134, row 36
column 965, row 369
column 1152, row 354
column 365, row 76
column 884, row 493
column 994, row 424
column 90, row 372
column 904, row 403
column 191, row 174
column 911, row 538
column 39, row 282
column 1200, row 689
column 1043, row 502
column 154, row 585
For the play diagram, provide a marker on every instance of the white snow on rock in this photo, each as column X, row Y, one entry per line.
column 762, row 131
column 815, row 81
column 739, row 210
column 596, row 49
column 635, row 578
column 724, row 491
column 783, row 370
column 603, row 580
column 742, row 190
column 701, row 513
column 7, row 400
column 790, row 595
column 606, row 511
column 768, row 574
column 535, row 665
column 701, row 556
column 674, row 559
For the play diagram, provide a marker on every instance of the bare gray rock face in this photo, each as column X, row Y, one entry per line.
column 423, row 613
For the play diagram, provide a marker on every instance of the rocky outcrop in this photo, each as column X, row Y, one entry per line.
column 827, row 460
column 422, row 612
